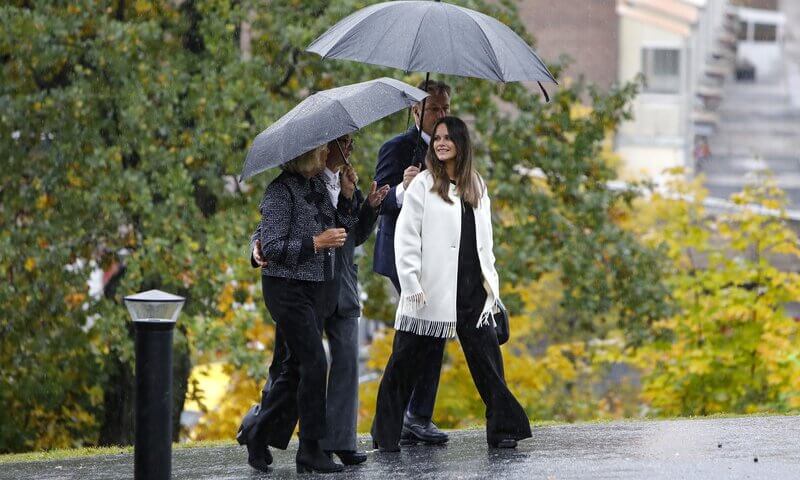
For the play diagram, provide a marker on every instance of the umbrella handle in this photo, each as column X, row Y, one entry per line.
column 341, row 152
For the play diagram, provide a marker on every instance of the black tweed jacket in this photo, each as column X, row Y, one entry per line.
column 293, row 211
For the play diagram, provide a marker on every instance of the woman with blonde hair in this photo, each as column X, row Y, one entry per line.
column 299, row 230
column 449, row 285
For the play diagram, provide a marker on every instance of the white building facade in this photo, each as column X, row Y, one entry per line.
column 760, row 36
column 683, row 51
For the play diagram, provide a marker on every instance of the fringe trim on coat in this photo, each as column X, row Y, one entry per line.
column 428, row 328
column 412, row 303
column 489, row 314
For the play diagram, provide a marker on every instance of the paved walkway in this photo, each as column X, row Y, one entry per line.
column 733, row 448
column 759, row 126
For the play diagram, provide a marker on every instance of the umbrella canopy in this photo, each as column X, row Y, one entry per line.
column 325, row 116
column 425, row 36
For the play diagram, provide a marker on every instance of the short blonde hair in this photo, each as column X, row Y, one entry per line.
column 307, row 162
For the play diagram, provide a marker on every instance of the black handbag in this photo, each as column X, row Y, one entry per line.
column 501, row 323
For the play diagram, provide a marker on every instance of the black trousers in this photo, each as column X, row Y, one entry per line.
column 505, row 417
column 298, row 373
column 342, row 334
column 423, row 396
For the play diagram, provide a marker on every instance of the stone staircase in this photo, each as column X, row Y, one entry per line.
column 759, row 126
column 759, row 132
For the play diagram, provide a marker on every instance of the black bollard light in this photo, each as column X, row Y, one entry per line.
column 154, row 315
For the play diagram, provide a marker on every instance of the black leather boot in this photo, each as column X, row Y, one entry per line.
column 312, row 459
column 349, row 457
column 258, row 454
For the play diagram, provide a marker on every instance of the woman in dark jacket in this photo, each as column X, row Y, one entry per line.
column 298, row 233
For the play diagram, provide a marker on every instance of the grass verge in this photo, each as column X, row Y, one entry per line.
column 69, row 453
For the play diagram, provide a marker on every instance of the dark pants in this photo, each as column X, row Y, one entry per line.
column 505, row 417
column 423, row 396
column 342, row 394
column 296, row 388
column 342, row 404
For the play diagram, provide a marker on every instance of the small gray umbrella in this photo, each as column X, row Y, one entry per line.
column 425, row 36
column 325, row 116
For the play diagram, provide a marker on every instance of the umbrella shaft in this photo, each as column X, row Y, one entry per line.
column 421, row 118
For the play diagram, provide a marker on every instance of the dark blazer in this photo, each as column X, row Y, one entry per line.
column 393, row 158
column 293, row 211
column 346, row 274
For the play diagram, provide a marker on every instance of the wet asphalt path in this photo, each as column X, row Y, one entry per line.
column 731, row 448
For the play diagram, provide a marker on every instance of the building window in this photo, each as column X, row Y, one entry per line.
column 661, row 69
column 763, row 32
column 741, row 34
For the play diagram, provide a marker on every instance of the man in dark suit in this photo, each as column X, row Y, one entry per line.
column 399, row 161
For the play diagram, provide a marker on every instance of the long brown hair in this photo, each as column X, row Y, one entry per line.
column 469, row 185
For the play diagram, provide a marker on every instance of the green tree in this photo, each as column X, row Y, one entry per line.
column 122, row 126
column 120, row 122
column 731, row 346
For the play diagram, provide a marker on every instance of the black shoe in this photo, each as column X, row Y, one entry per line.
column 504, row 443
column 311, row 459
column 258, row 454
column 416, row 430
column 382, row 449
column 349, row 457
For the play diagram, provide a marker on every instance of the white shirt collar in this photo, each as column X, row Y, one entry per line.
column 333, row 186
column 425, row 136
column 331, row 176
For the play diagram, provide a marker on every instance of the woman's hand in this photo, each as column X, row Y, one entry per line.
column 330, row 238
column 261, row 261
column 348, row 181
column 377, row 195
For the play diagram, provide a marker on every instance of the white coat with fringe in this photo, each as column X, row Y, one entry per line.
column 426, row 243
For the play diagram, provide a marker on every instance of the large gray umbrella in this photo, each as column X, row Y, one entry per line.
column 425, row 36
column 325, row 116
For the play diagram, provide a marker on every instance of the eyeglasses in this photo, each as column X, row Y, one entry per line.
column 436, row 110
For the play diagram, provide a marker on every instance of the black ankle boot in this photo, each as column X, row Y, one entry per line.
column 312, row 459
column 258, row 456
column 349, row 457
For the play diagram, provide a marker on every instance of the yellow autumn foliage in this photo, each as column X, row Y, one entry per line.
column 731, row 345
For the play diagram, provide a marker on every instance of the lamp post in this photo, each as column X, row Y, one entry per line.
column 154, row 314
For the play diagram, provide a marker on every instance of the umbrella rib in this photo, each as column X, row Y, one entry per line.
column 416, row 37
column 449, row 33
column 492, row 54
column 540, row 66
column 338, row 102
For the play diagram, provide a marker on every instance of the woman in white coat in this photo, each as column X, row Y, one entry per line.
column 449, row 286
